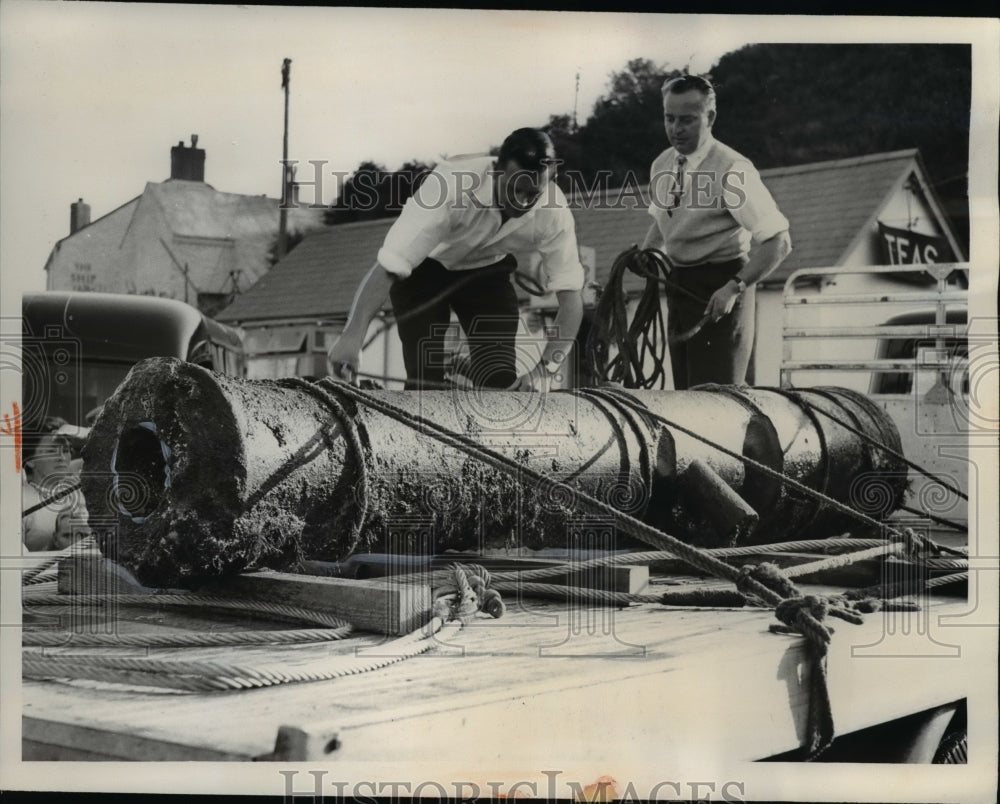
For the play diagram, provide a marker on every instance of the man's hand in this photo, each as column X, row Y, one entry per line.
column 537, row 379
column 343, row 358
column 722, row 301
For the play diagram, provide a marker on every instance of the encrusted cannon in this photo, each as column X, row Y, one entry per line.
column 189, row 474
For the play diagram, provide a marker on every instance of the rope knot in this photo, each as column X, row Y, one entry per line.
column 764, row 581
column 465, row 592
column 805, row 615
column 917, row 546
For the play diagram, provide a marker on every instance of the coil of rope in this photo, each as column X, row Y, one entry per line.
column 642, row 341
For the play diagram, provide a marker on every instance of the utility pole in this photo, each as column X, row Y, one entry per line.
column 576, row 97
column 286, row 77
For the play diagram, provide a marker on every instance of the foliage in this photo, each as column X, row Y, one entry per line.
column 792, row 104
column 374, row 192
column 779, row 104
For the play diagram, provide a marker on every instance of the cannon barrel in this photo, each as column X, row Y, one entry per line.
column 189, row 474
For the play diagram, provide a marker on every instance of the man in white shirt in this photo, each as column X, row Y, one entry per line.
column 450, row 250
column 708, row 203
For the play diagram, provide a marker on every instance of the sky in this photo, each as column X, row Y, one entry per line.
column 93, row 95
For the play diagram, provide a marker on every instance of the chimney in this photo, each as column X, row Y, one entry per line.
column 79, row 216
column 187, row 163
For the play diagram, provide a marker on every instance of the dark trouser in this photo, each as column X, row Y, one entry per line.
column 720, row 352
column 486, row 305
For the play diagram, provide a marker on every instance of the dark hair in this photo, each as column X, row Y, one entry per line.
column 31, row 437
column 683, row 83
column 530, row 148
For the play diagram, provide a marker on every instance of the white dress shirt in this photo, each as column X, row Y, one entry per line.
column 452, row 219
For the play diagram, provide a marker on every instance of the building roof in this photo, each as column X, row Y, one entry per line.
column 827, row 205
column 317, row 278
column 196, row 209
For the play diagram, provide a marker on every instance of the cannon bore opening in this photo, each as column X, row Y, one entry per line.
column 141, row 471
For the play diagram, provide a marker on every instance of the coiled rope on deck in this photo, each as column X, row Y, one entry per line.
column 201, row 676
column 334, row 627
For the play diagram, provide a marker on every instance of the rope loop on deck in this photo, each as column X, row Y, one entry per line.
column 805, row 615
column 466, row 591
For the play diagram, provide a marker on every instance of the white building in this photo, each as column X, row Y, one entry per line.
column 179, row 239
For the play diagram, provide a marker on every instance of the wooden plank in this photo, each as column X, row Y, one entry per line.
column 727, row 687
column 762, row 715
column 378, row 605
column 628, row 578
column 619, row 578
column 47, row 739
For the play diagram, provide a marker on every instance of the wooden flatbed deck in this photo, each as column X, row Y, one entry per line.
column 584, row 683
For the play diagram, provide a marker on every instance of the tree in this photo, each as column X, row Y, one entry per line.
column 622, row 136
column 625, row 131
column 569, row 150
column 374, row 192
column 791, row 104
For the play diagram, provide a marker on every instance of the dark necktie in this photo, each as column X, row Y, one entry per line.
column 679, row 189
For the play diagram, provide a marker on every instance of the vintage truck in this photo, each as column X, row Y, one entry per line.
column 589, row 674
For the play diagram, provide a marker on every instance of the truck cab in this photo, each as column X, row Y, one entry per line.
column 77, row 347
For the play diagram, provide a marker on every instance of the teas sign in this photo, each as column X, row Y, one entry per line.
column 902, row 247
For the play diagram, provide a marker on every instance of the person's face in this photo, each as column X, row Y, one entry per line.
column 687, row 120
column 518, row 189
column 52, row 456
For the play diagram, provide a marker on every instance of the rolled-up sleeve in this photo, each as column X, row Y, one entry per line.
column 754, row 208
column 560, row 254
column 424, row 223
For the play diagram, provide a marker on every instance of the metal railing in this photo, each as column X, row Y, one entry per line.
column 942, row 298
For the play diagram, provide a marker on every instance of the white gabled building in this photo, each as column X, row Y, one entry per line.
column 179, row 239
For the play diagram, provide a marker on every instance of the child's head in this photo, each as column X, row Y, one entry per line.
column 45, row 451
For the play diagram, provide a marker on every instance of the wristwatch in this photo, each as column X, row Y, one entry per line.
column 740, row 284
column 552, row 366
